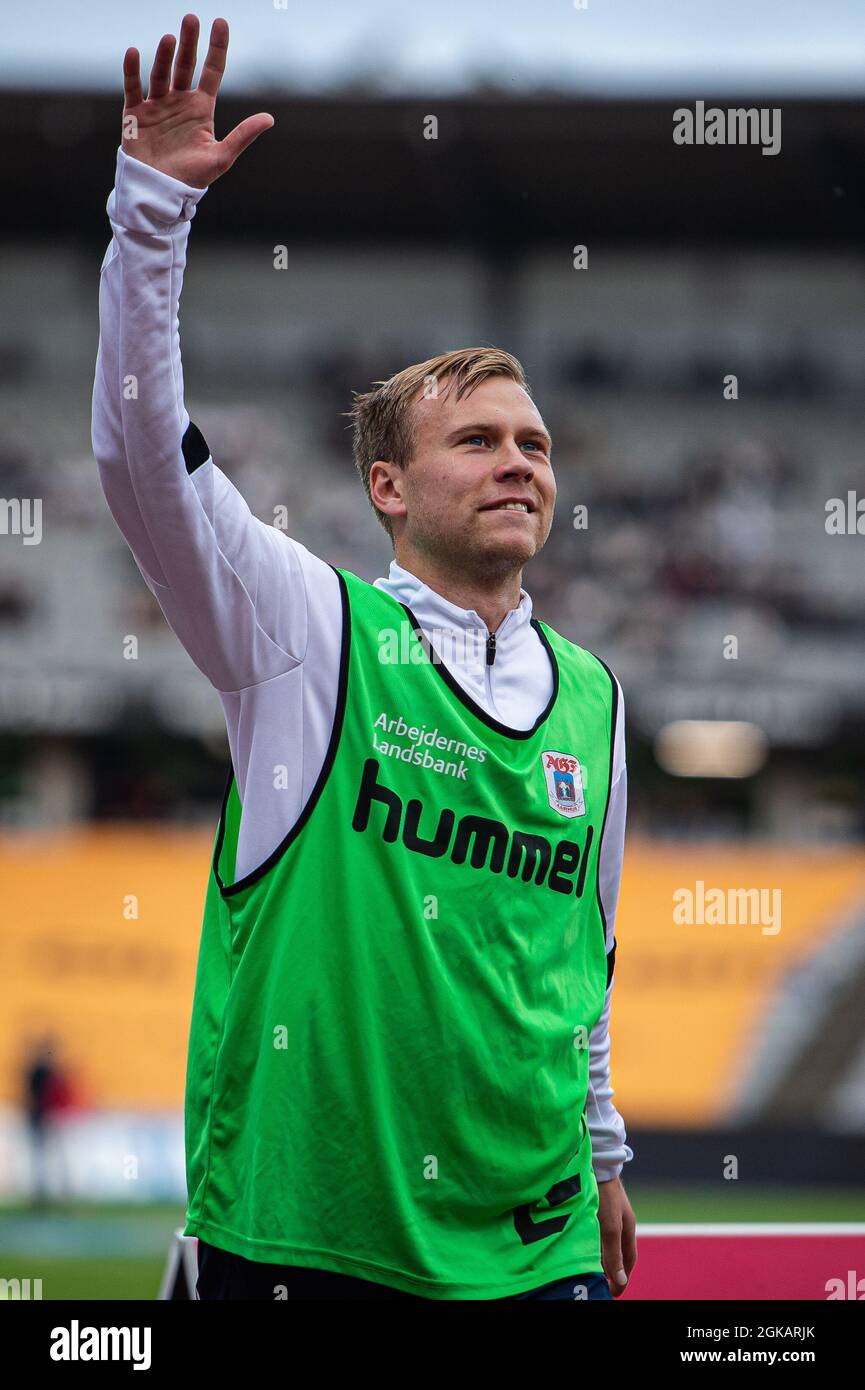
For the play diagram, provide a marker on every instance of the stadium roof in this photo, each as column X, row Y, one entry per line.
column 500, row 178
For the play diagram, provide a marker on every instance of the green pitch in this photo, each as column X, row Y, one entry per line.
column 119, row 1252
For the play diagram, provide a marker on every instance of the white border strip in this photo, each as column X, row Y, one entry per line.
column 757, row 1228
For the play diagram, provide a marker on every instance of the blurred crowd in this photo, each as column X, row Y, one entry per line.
column 684, row 520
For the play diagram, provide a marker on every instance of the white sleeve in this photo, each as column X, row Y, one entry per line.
column 610, row 1152
column 230, row 586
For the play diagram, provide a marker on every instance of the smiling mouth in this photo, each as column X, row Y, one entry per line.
column 523, row 507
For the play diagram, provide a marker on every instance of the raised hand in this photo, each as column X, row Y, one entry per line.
column 173, row 129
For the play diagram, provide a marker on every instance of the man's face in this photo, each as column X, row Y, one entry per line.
column 472, row 458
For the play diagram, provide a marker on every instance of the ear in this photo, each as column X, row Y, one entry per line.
column 386, row 483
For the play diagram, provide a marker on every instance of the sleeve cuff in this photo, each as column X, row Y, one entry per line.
column 605, row 1172
column 145, row 199
column 611, row 1167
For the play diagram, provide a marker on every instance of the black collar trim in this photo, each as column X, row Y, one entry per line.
column 477, row 710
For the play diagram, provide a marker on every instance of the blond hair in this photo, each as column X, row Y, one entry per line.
column 383, row 418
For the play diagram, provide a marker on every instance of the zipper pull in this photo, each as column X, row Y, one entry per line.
column 491, row 648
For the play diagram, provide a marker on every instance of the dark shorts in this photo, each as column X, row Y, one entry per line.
column 223, row 1275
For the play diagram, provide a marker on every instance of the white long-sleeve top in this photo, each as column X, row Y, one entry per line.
column 258, row 613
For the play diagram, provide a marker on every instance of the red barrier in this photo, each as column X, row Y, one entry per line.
column 749, row 1261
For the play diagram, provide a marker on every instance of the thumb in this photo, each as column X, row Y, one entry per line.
column 243, row 135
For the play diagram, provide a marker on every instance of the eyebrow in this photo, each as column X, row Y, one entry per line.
column 532, row 432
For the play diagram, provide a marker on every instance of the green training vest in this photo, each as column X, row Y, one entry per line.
column 388, row 1056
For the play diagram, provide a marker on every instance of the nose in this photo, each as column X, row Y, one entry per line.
column 512, row 462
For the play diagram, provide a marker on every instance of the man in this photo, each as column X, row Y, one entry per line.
column 398, row 1074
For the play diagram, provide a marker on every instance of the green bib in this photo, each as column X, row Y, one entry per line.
column 388, row 1057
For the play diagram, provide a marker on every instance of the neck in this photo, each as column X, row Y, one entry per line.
column 492, row 596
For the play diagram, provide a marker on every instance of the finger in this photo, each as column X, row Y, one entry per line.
column 243, row 135
column 132, row 95
column 629, row 1245
column 187, row 54
column 214, row 63
column 160, row 73
column 611, row 1259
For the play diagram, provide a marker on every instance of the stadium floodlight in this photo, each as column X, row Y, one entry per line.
column 711, row 748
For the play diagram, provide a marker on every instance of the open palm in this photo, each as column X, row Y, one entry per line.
column 172, row 129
